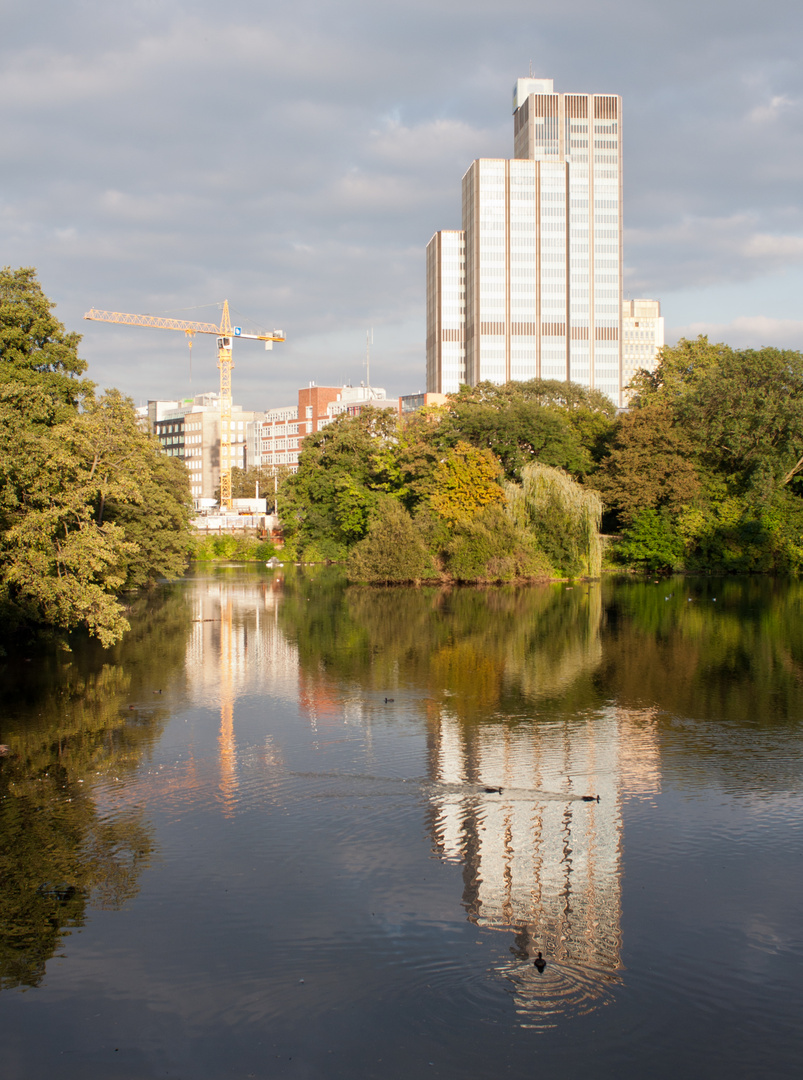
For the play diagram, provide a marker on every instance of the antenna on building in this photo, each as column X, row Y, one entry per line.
column 531, row 70
column 369, row 340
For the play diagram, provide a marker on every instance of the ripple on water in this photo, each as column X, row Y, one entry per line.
column 561, row 992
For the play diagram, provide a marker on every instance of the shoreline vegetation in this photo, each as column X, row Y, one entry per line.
column 701, row 475
column 522, row 482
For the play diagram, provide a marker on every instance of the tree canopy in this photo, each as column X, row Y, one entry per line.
column 550, row 422
column 36, row 352
column 444, row 470
column 703, row 470
column 88, row 504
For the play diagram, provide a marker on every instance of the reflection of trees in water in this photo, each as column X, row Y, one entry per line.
column 539, row 863
column 606, row 684
column 67, row 720
column 721, row 660
column 486, row 649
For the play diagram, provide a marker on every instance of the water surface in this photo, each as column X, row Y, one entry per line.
column 265, row 836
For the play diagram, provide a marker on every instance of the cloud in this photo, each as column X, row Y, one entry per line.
column 764, row 114
column 746, row 332
column 700, row 251
column 296, row 159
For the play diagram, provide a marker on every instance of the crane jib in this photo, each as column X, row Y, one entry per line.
column 224, row 333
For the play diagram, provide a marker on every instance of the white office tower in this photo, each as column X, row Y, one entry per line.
column 543, row 250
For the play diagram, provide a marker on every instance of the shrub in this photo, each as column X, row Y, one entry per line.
column 226, row 547
column 393, row 550
column 323, row 549
column 653, row 542
column 491, row 547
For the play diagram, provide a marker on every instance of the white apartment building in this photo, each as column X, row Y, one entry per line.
column 642, row 338
column 531, row 287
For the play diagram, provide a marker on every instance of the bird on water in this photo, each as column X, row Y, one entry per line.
column 540, row 963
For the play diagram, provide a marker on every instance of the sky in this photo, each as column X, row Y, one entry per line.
column 158, row 157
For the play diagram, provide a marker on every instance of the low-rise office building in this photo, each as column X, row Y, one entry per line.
column 190, row 429
column 275, row 437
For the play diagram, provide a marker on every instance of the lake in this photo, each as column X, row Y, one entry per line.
column 289, row 828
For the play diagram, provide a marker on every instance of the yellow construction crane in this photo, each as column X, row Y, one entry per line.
column 225, row 334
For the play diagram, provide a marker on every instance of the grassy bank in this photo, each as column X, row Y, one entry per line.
column 227, row 548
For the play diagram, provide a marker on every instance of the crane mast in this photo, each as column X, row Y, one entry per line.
column 225, row 362
column 225, row 334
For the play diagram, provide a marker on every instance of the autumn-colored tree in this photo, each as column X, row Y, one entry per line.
column 463, row 482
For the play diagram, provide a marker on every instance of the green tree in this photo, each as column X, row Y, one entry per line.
column 36, row 352
column 159, row 523
column 60, row 565
column 742, row 409
column 87, row 506
column 490, row 546
column 679, row 367
column 407, row 461
column 516, row 427
column 653, row 541
column 650, row 464
column 329, row 503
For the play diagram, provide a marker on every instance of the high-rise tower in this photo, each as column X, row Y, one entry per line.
column 542, row 239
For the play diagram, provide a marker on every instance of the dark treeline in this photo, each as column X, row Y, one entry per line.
column 89, row 506
column 703, row 472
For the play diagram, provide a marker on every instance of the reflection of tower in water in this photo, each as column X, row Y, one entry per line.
column 539, row 861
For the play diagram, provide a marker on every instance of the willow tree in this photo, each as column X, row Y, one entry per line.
column 564, row 516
